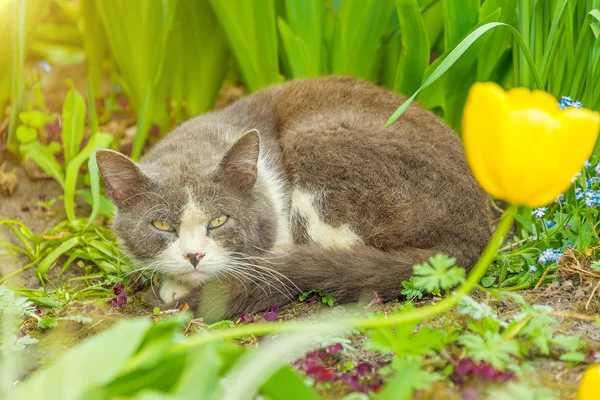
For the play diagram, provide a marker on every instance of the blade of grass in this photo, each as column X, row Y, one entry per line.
column 144, row 123
column 18, row 61
column 95, row 45
column 99, row 140
column 48, row 261
column 524, row 28
column 43, row 157
column 302, row 36
column 414, row 56
column 457, row 53
column 544, row 66
column 73, row 117
column 296, row 52
column 358, row 36
column 252, row 36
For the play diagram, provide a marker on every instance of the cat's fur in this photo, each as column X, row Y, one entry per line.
column 318, row 193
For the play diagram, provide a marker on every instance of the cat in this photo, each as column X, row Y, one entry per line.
column 296, row 187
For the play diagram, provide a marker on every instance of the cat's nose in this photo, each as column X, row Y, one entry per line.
column 194, row 258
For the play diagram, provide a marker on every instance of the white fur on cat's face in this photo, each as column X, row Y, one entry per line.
column 193, row 238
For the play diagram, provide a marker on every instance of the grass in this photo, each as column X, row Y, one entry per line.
column 173, row 65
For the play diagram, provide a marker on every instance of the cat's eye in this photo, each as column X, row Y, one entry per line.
column 217, row 222
column 163, row 226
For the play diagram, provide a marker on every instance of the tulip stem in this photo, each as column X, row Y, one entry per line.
column 420, row 314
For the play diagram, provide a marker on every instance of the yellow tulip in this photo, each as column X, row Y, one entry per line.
column 521, row 147
column 589, row 389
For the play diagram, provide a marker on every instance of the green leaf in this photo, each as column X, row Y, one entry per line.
column 296, row 52
column 47, row 262
column 252, row 35
column 358, row 36
column 99, row 140
column 286, row 384
column 201, row 373
column 411, row 290
column 491, row 348
column 73, row 117
column 45, row 159
column 26, row 134
column 414, row 56
column 47, row 323
column 401, row 386
column 154, row 345
column 85, row 365
column 488, row 281
column 573, row 356
column 33, row 119
column 439, row 273
column 455, row 54
column 569, row 343
column 144, row 123
column 303, row 34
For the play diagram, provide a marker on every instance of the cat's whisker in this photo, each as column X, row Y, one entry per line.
column 249, row 277
column 270, row 270
column 240, row 280
column 262, row 271
column 261, row 278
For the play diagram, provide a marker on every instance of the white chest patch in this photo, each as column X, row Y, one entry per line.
column 303, row 204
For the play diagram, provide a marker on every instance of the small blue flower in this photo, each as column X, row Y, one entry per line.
column 587, row 164
column 532, row 269
column 597, row 168
column 592, row 198
column 549, row 224
column 539, row 212
column 591, row 181
column 552, row 255
column 574, row 179
column 560, row 198
column 567, row 101
column 567, row 226
column 579, row 193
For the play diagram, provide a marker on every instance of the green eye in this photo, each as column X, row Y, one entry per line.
column 163, row 226
column 217, row 222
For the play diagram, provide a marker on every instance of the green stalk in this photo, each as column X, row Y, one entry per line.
column 18, row 61
column 419, row 314
column 524, row 27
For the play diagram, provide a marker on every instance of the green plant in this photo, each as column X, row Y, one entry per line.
column 73, row 117
column 252, row 35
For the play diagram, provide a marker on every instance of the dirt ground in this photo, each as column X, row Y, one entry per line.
column 574, row 299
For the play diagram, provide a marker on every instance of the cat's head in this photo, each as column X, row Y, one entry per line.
column 191, row 225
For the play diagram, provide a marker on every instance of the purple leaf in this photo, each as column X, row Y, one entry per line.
column 320, row 373
column 334, row 348
column 118, row 289
column 378, row 300
column 247, row 318
column 363, row 369
column 270, row 316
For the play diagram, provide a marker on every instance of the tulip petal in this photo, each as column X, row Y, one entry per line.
column 522, row 98
column 573, row 143
column 484, row 120
column 529, row 155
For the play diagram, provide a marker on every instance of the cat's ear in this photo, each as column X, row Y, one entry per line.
column 239, row 165
column 122, row 177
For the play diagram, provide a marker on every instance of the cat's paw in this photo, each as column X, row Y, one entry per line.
column 171, row 291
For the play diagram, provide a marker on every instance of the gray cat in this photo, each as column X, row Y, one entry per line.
column 296, row 187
